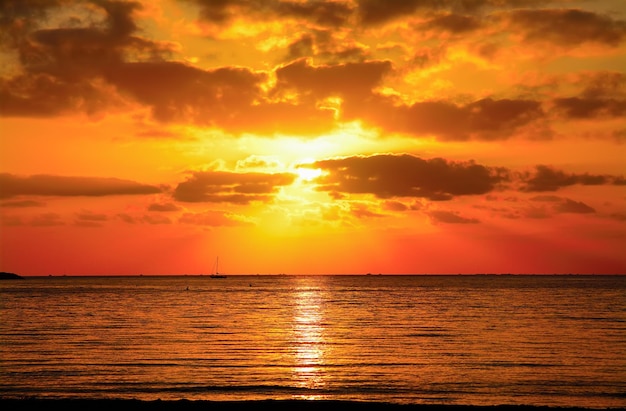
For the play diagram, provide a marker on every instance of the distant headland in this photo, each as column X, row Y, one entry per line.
column 10, row 276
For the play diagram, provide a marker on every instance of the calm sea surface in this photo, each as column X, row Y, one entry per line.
column 480, row 340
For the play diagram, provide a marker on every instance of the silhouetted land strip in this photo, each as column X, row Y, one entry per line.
column 261, row 405
column 10, row 276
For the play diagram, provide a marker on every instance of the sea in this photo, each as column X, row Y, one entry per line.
column 408, row 339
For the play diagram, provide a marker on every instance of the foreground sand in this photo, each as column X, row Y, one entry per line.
column 185, row 405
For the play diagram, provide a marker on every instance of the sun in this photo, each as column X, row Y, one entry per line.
column 307, row 174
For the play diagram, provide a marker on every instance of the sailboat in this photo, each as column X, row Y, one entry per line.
column 217, row 274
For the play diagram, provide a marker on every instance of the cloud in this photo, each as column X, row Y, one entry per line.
column 97, row 61
column 363, row 211
column 373, row 12
column 21, row 203
column 47, row 220
column 387, row 176
column 588, row 108
column 546, row 178
column 238, row 188
column 454, row 23
column 155, row 219
column 257, row 162
column 571, row 206
column 177, row 91
column 19, row 16
column 350, row 80
column 323, row 13
column 89, row 216
column 127, row 218
column 228, row 97
column 213, row 219
column 50, row 185
column 567, row 27
column 450, row 217
column 618, row 216
column 147, row 218
column 62, row 67
column 602, row 84
column 394, row 206
column 564, row 205
column 485, row 119
column 163, row 207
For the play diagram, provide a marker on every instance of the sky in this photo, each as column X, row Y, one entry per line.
column 312, row 137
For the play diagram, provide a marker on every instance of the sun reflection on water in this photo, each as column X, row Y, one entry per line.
column 308, row 339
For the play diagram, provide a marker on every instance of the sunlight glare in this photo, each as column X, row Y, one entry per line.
column 308, row 174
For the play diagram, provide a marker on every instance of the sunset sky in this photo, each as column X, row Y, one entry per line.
column 298, row 137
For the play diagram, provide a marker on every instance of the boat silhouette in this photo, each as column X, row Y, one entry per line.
column 216, row 273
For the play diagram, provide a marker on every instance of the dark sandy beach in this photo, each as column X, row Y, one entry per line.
column 265, row 405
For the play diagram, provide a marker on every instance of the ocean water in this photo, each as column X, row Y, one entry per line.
column 469, row 340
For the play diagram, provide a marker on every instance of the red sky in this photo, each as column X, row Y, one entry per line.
column 448, row 136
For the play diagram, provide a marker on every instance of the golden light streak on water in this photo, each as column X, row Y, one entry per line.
column 308, row 338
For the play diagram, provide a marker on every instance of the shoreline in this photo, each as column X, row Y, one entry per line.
column 261, row 405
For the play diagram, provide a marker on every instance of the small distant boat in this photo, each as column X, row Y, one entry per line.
column 217, row 274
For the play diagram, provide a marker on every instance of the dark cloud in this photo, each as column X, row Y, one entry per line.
column 49, row 185
column 127, row 218
column 349, row 80
column 155, row 219
column 454, row 23
column 567, row 27
column 74, row 53
column 571, row 206
column 43, row 95
column 450, row 217
column 618, row 216
column 387, row 176
column 302, row 47
column 62, row 67
column 101, row 62
column 394, row 206
column 485, row 119
column 324, row 13
column 183, row 89
column 227, row 97
column 89, row 216
column 380, row 11
column 587, row 108
column 603, row 84
column 392, row 176
column 21, row 203
column 546, row 178
column 564, row 205
column 163, row 207
column 239, row 188
column 18, row 17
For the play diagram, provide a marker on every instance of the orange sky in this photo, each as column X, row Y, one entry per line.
column 344, row 136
